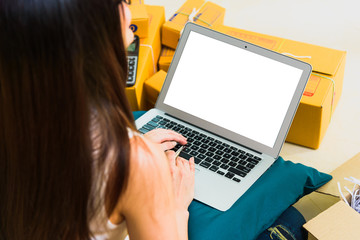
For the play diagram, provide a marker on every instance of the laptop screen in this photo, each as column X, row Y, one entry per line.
column 231, row 87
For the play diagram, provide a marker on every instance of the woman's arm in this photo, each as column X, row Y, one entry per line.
column 150, row 205
column 183, row 178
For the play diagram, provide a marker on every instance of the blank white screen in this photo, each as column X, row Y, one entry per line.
column 233, row 88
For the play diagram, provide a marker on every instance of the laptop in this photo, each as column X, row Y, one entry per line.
column 234, row 101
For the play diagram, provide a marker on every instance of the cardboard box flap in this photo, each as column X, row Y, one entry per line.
column 338, row 222
column 349, row 169
column 138, row 12
column 323, row 60
column 153, row 85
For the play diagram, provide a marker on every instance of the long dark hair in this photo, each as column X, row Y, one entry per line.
column 62, row 65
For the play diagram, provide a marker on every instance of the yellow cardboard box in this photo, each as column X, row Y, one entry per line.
column 166, row 56
column 204, row 13
column 322, row 92
column 153, row 87
column 339, row 221
column 149, row 53
column 139, row 18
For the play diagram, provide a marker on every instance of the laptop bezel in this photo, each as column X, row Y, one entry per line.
column 234, row 137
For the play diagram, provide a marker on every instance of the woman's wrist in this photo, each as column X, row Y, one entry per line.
column 182, row 212
column 182, row 218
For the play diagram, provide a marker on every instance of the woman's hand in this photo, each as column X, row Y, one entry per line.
column 166, row 138
column 183, row 178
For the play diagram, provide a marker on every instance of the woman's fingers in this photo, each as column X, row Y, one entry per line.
column 183, row 181
column 171, row 158
column 192, row 164
column 160, row 135
column 168, row 145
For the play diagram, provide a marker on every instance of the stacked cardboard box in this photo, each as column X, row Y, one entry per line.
column 149, row 53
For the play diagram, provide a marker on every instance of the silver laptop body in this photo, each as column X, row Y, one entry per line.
column 241, row 95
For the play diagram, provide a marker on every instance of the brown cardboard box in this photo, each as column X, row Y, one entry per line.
column 166, row 57
column 207, row 14
column 139, row 18
column 149, row 53
column 153, row 87
column 322, row 92
column 339, row 221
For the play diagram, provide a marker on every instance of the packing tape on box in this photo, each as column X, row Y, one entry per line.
column 152, row 55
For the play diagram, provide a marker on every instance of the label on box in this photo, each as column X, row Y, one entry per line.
column 133, row 28
column 311, row 85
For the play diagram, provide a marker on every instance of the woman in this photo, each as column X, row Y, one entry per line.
column 72, row 165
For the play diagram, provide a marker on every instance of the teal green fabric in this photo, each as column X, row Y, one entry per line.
column 278, row 188
column 138, row 114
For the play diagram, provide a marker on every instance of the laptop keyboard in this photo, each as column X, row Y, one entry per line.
column 209, row 153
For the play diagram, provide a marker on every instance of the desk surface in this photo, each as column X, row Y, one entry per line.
column 328, row 23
